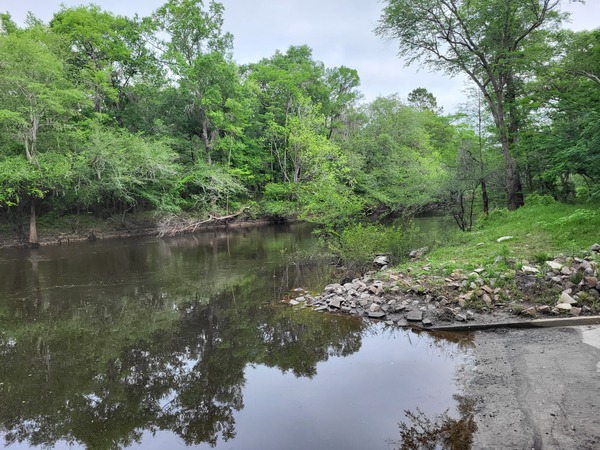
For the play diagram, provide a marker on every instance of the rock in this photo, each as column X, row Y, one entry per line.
column 487, row 299
column 396, row 308
column 321, row 309
column 565, row 298
column 294, row 303
column 418, row 253
column 414, row 316
column 470, row 315
column 530, row 312
column 596, row 248
column 530, row 269
column 575, row 311
column 544, row 309
column 591, row 282
column 584, row 266
column 427, row 322
column 375, row 307
column 376, row 289
column 504, row 238
column 376, row 315
column 381, row 260
column 461, row 318
column 565, row 271
column 554, row 265
column 346, row 309
column 336, row 302
column 564, row 307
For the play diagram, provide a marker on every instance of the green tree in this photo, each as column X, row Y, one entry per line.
column 107, row 53
column 564, row 138
column 396, row 156
column 37, row 99
column 198, row 53
column 493, row 42
column 422, row 99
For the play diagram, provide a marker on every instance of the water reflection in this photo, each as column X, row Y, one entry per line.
column 442, row 431
column 106, row 345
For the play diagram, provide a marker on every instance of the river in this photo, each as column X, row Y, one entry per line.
column 147, row 343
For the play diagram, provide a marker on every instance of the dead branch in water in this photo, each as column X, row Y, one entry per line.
column 173, row 225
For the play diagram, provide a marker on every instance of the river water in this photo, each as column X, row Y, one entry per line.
column 147, row 343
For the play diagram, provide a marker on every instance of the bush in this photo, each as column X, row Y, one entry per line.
column 540, row 199
column 280, row 200
column 357, row 245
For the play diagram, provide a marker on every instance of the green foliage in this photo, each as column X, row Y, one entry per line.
column 208, row 188
column 540, row 199
column 280, row 200
column 358, row 244
column 115, row 167
column 395, row 162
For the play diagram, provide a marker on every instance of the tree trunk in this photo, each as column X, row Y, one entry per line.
column 513, row 180
column 33, row 237
column 484, row 197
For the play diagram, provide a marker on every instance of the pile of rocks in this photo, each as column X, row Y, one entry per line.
column 560, row 286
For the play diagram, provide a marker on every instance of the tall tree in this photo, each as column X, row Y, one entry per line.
column 493, row 42
column 422, row 99
column 107, row 53
column 35, row 98
column 198, row 53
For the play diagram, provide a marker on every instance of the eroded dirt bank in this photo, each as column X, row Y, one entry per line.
column 536, row 388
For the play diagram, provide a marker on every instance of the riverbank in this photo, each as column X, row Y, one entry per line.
column 500, row 293
column 71, row 229
column 537, row 262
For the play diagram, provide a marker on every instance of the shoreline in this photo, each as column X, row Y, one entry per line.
column 63, row 236
column 527, row 295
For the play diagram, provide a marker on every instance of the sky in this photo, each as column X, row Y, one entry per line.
column 340, row 32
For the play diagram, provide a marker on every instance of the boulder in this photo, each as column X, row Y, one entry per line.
column 591, row 282
column 530, row 269
column 565, row 298
column 564, row 307
column 381, row 260
column 418, row 253
column 375, row 307
column 414, row 316
column 336, row 302
column 376, row 315
column 554, row 265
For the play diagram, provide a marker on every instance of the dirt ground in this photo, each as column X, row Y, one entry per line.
column 536, row 388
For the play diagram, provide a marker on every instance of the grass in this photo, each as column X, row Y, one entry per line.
column 539, row 233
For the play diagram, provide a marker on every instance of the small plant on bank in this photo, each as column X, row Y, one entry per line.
column 357, row 245
column 541, row 257
column 576, row 277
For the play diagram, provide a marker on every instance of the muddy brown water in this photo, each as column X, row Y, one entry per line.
column 147, row 343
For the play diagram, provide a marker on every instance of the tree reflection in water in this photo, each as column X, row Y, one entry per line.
column 102, row 347
column 439, row 432
column 102, row 383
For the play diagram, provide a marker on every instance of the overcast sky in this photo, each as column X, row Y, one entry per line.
column 340, row 32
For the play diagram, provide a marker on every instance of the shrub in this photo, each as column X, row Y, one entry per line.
column 357, row 245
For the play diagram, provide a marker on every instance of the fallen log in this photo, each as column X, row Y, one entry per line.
column 173, row 225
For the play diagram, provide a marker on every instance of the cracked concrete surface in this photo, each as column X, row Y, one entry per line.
column 536, row 388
